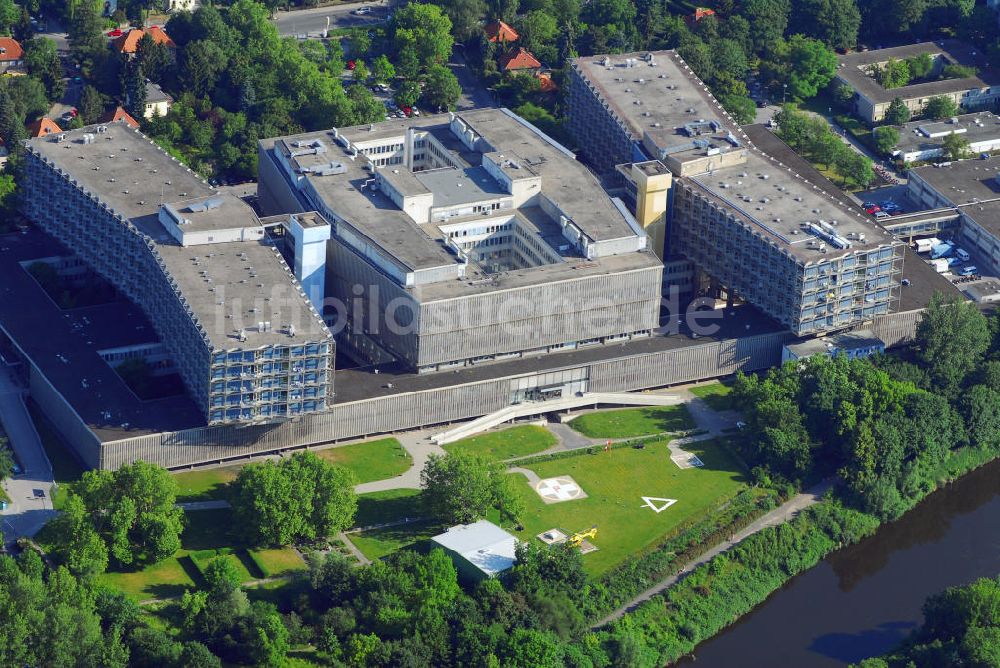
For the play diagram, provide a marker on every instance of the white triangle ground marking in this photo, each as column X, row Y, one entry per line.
column 648, row 503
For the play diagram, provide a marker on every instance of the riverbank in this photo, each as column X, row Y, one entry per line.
column 734, row 583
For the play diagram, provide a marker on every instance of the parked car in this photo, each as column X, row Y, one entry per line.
column 872, row 210
column 968, row 271
column 362, row 11
column 351, row 64
column 881, row 215
column 408, row 111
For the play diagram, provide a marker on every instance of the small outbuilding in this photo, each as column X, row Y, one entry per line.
column 854, row 344
column 480, row 550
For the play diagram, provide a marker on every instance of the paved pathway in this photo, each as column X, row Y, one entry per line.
column 779, row 515
column 31, row 491
column 420, row 447
column 353, row 549
column 203, row 505
column 532, row 477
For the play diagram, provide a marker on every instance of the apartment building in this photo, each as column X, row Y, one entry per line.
column 757, row 230
column 244, row 337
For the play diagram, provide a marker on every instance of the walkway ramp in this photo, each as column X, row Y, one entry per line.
column 532, row 408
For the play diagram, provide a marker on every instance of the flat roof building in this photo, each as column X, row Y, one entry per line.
column 464, row 238
column 244, row 337
column 855, row 344
column 872, row 100
column 971, row 187
column 479, row 550
column 923, row 140
column 756, row 228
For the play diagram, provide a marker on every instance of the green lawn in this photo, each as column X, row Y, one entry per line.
column 507, row 443
column 277, row 561
column 377, row 543
column 385, row 507
column 204, row 485
column 631, row 422
column 717, row 395
column 208, row 535
column 388, row 506
column 371, row 460
column 615, row 483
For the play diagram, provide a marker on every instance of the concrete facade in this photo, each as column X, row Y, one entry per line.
column 759, row 231
column 96, row 190
column 461, row 239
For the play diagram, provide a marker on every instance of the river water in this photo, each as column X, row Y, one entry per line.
column 863, row 600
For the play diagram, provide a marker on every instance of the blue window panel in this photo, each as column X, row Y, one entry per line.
column 214, row 416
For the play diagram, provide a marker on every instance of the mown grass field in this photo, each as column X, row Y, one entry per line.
column 208, row 536
column 507, row 443
column 371, row 460
column 204, row 485
column 717, row 395
column 615, row 483
column 632, row 422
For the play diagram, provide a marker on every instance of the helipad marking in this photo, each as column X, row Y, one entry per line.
column 648, row 503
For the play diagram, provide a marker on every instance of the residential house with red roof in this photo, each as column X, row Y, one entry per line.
column 43, row 127
column 119, row 114
column 520, row 61
column 128, row 43
column 11, row 54
column 498, row 31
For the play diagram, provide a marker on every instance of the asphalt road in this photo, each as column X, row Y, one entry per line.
column 31, row 491
column 314, row 21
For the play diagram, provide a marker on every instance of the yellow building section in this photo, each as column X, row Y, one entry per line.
column 652, row 181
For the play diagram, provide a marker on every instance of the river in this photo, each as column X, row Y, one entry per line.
column 864, row 599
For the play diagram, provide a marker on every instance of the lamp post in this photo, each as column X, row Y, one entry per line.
column 784, row 92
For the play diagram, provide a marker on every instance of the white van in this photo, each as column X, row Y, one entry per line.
column 962, row 255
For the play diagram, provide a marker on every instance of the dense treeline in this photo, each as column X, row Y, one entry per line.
column 961, row 628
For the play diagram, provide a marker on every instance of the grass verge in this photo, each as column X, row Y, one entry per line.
column 632, row 422
column 371, row 460
column 508, row 443
column 717, row 395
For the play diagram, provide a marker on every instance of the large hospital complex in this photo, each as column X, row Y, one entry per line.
column 421, row 271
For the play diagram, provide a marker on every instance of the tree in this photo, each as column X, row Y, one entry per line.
column 538, row 31
column 886, row 138
column 462, row 487
column 383, row 71
column 27, row 95
column 952, row 338
column 843, row 96
column 426, row 29
column 442, row 89
column 78, row 545
column 134, row 89
column 88, row 45
column 768, row 20
column 154, row 58
column 981, row 410
column 894, row 73
column 465, row 16
column 940, row 107
column 133, row 511
column 202, row 63
column 742, row 108
column 854, row 166
column 834, row 22
column 360, row 73
column 42, row 62
column 303, row 497
column 811, row 66
column 91, row 104
column 897, row 113
column 955, row 146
